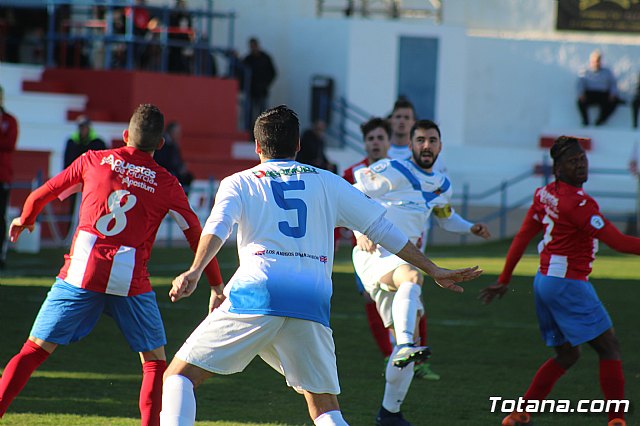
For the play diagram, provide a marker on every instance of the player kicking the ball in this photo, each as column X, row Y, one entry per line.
column 277, row 303
column 410, row 191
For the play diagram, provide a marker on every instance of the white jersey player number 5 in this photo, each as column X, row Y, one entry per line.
column 279, row 189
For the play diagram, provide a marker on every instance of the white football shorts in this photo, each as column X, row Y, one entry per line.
column 301, row 350
column 370, row 267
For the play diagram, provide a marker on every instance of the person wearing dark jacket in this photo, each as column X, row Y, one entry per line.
column 170, row 156
column 81, row 141
column 312, row 148
column 8, row 140
column 258, row 73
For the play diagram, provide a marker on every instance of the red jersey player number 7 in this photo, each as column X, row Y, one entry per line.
column 568, row 308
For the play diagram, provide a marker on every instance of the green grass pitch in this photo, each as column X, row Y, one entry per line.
column 480, row 351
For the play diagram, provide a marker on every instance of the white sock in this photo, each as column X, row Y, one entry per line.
column 404, row 311
column 330, row 418
column 397, row 386
column 178, row 402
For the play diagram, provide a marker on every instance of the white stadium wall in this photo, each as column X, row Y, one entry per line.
column 504, row 78
column 309, row 41
column 373, row 68
column 519, row 89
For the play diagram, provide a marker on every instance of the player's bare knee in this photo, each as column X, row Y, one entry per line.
column 195, row 374
column 567, row 355
column 156, row 354
column 320, row 403
column 47, row 346
column 407, row 273
column 607, row 345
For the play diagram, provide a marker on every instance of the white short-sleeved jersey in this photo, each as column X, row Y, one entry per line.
column 286, row 213
column 408, row 193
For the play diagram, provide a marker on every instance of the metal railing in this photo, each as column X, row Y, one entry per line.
column 393, row 9
column 202, row 198
column 543, row 173
column 350, row 116
column 73, row 24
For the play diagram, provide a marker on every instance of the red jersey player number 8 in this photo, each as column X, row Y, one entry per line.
column 117, row 212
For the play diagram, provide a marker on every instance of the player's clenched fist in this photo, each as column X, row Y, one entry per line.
column 183, row 285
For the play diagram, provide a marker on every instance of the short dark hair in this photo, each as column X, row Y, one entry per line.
column 145, row 127
column 373, row 124
column 277, row 131
column 424, row 125
column 403, row 102
column 562, row 145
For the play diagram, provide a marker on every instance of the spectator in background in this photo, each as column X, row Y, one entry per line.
column 11, row 35
column 81, row 141
column 312, row 148
column 376, row 133
column 260, row 71
column 208, row 64
column 8, row 140
column 170, row 157
column 143, row 22
column 180, row 30
column 597, row 86
column 635, row 106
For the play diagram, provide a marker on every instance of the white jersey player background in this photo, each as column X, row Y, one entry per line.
column 403, row 152
column 408, row 193
column 285, row 265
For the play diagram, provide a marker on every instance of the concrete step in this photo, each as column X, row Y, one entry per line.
column 218, row 169
column 94, row 114
column 14, row 74
column 47, row 86
column 43, row 108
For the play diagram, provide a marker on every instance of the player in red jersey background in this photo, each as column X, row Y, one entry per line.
column 8, row 141
column 125, row 196
column 569, row 311
column 376, row 133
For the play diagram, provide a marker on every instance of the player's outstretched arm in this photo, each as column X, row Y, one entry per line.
column 34, row 203
column 611, row 236
column 391, row 238
column 530, row 227
column 489, row 293
column 185, row 284
column 481, row 230
column 16, row 229
column 451, row 221
column 445, row 278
